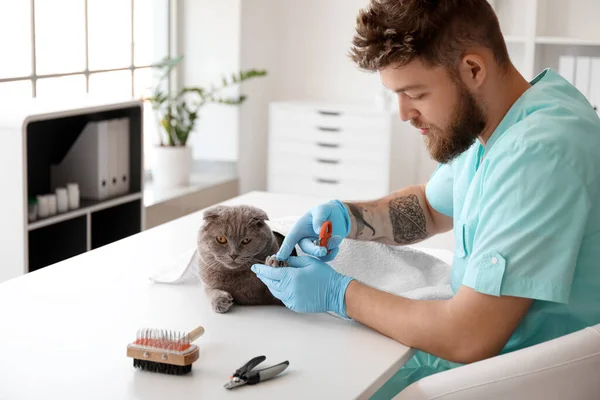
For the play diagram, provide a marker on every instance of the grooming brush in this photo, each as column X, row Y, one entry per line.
column 165, row 351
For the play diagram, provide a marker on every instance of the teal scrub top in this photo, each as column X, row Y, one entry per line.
column 526, row 211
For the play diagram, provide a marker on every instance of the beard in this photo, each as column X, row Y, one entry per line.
column 468, row 121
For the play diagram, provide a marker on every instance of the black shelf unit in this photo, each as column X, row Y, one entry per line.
column 53, row 243
column 48, row 138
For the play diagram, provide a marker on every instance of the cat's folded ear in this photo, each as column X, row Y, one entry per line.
column 213, row 213
column 257, row 215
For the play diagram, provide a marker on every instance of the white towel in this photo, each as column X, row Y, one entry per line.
column 183, row 269
column 400, row 270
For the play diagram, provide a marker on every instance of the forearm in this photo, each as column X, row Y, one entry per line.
column 401, row 218
column 421, row 324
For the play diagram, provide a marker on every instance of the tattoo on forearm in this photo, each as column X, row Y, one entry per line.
column 408, row 219
column 360, row 220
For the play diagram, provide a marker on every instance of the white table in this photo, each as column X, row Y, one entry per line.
column 65, row 329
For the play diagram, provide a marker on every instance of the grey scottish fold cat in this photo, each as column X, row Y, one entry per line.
column 230, row 240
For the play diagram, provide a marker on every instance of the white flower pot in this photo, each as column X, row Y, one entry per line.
column 172, row 166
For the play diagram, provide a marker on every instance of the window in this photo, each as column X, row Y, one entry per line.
column 73, row 47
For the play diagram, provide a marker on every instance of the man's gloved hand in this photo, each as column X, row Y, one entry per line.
column 307, row 229
column 308, row 285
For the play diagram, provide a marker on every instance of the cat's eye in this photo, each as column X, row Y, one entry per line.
column 246, row 241
column 222, row 239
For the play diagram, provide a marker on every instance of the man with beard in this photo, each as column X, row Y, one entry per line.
column 518, row 182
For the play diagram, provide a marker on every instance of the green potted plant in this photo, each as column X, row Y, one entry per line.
column 177, row 115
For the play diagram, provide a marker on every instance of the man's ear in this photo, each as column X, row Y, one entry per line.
column 213, row 213
column 473, row 70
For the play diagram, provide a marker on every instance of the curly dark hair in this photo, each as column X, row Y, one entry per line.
column 438, row 32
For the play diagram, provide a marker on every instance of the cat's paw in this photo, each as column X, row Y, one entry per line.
column 221, row 301
column 272, row 261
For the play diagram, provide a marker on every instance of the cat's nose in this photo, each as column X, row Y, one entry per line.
column 233, row 256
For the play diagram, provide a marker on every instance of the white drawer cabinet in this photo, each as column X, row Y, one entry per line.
column 340, row 151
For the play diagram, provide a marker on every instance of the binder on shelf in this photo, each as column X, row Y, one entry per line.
column 121, row 129
column 113, row 168
column 98, row 161
column 566, row 68
column 86, row 163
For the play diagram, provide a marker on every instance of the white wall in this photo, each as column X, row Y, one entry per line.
column 303, row 44
column 574, row 18
column 260, row 49
column 211, row 48
column 315, row 37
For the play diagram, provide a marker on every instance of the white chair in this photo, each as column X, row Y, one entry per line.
column 564, row 368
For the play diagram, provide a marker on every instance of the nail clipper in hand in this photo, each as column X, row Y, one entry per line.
column 324, row 235
column 246, row 376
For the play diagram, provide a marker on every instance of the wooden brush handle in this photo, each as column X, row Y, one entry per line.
column 196, row 333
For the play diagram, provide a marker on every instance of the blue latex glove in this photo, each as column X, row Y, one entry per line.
column 308, row 285
column 307, row 229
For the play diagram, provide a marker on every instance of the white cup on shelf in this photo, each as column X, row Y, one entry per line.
column 62, row 200
column 51, row 204
column 43, row 210
column 73, row 194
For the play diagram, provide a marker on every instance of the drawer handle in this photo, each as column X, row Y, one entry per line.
column 326, row 161
column 327, row 181
column 326, row 129
column 332, row 113
column 330, row 145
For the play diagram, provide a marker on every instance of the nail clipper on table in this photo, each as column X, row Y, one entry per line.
column 246, row 376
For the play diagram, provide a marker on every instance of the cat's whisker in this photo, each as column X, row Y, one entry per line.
column 213, row 265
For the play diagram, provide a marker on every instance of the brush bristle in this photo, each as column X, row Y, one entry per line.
column 163, row 339
column 161, row 367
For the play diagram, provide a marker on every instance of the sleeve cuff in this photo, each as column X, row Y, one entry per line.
column 487, row 277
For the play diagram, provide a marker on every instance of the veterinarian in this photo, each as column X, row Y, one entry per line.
column 518, row 182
